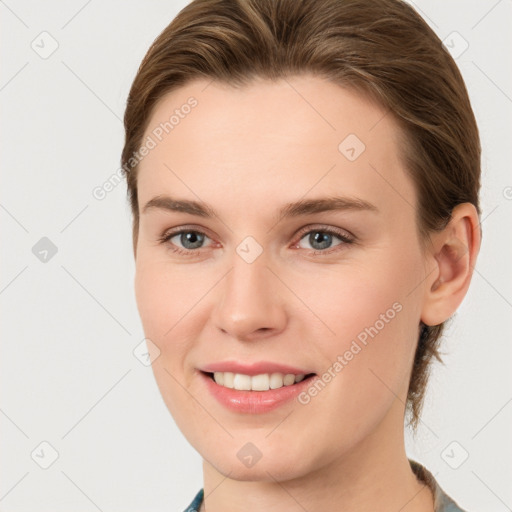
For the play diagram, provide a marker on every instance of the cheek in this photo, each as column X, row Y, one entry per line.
column 172, row 301
column 372, row 318
column 367, row 361
column 166, row 304
column 164, row 295
column 152, row 296
column 160, row 303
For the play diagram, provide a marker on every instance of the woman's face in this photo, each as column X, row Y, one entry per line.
column 284, row 234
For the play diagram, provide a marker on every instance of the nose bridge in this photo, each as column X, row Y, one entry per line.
column 250, row 304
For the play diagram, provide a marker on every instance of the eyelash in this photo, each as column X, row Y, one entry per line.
column 345, row 239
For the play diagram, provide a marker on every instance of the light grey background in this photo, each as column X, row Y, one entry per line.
column 69, row 325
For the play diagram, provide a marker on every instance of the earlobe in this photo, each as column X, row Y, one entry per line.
column 454, row 253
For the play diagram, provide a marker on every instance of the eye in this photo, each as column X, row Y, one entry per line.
column 323, row 239
column 189, row 239
column 320, row 240
column 185, row 240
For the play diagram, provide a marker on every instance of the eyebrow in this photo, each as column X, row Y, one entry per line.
column 295, row 209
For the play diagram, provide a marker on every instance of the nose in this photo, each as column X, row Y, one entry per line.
column 249, row 302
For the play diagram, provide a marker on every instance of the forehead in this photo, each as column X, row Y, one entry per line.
column 272, row 141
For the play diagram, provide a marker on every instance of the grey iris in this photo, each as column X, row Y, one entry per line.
column 320, row 240
column 191, row 240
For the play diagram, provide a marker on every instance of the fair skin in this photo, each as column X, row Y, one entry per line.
column 246, row 153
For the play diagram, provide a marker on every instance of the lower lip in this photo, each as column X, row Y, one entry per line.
column 254, row 402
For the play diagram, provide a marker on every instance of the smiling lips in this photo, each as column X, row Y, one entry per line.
column 254, row 389
column 261, row 376
column 261, row 382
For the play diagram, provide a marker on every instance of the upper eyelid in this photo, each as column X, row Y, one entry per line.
column 186, row 229
column 329, row 229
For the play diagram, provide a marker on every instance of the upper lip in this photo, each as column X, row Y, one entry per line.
column 256, row 368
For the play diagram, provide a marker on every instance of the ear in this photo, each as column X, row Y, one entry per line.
column 452, row 257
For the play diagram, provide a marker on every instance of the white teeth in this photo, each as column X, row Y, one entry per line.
column 262, row 382
column 228, row 380
column 276, row 381
column 289, row 379
column 242, row 382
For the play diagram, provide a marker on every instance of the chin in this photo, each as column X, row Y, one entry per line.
column 260, row 472
column 273, row 463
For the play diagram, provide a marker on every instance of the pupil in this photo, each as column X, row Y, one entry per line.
column 320, row 240
column 191, row 240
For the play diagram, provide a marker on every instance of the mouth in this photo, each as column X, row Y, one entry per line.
column 258, row 383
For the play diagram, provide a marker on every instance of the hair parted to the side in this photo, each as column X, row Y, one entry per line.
column 383, row 49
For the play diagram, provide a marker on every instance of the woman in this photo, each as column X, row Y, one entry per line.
column 304, row 178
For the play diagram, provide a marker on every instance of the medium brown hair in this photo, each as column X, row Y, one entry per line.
column 381, row 48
